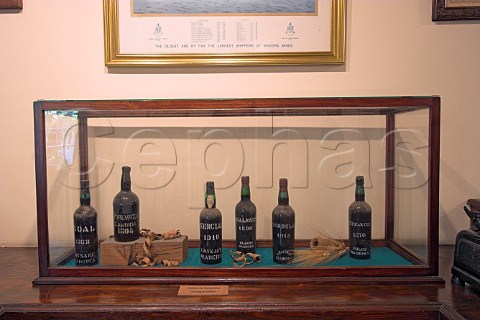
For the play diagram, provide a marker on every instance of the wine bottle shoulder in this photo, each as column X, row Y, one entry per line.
column 359, row 206
column 210, row 212
column 283, row 210
column 245, row 205
column 123, row 196
column 86, row 211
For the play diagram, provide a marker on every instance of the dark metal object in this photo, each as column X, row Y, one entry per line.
column 466, row 262
column 475, row 217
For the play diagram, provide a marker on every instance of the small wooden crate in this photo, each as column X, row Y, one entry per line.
column 114, row 253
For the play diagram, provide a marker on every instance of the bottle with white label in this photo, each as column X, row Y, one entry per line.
column 246, row 220
column 210, row 228
column 283, row 227
column 126, row 211
column 360, row 224
column 85, row 229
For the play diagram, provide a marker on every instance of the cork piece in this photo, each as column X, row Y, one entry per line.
column 114, row 253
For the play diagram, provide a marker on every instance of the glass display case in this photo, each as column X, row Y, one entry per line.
column 174, row 146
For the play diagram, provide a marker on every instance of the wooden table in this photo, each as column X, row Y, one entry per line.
column 20, row 300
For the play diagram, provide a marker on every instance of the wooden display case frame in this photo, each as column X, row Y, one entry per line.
column 421, row 270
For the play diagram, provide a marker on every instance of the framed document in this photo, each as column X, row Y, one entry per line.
column 193, row 33
column 455, row 10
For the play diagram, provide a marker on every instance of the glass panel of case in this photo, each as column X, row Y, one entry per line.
column 171, row 158
column 411, row 181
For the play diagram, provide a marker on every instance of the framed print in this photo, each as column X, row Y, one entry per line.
column 11, row 4
column 455, row 10
column 192, row 33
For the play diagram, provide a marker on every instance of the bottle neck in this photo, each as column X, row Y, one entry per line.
column 84, row 193
column 245, row 192
column 126, row 183
column 360, row 193
column 283, row 196
column 85, row 197
column 210, row 201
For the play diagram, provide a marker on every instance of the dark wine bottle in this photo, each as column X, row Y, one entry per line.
column 283, row 227
column 210, row 229
column 360, row 224
column 246, row 220
column 85, row 229
column 126, row 211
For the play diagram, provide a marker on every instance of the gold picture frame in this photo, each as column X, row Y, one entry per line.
column 122, row 28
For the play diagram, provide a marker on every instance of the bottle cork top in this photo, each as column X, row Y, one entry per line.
column 283, row 182
column 210, row 187
column 359, row 180
column 126, row 169
column 245, row 179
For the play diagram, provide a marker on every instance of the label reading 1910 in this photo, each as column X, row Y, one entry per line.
column 211, row 242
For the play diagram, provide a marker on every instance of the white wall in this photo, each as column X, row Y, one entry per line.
column 53, row 49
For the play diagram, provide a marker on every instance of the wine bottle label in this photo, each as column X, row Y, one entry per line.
column 283, row 242
column 210, row 226
column 246, row 246
column 84, row 229
column 283, row 256
column 283, row 227
column 211, row 242
column 246, row 234
column 245, row 220
column 126, row 224
column 86, row 258
column 86, row 244
column 211, row 254
column 360, row 239
column 360, row 224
